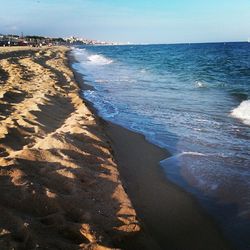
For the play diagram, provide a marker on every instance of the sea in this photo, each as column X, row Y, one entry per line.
column 194, row 101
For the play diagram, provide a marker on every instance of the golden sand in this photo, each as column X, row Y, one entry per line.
column 59, row 185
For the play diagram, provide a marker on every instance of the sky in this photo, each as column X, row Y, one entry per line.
column 135, row 21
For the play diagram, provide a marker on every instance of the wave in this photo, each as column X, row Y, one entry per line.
column 193, row 153
column 242, row 112
column 83, row 56
column 101, row 81
column 199, row 84
column 104, row 106
column 99, row 59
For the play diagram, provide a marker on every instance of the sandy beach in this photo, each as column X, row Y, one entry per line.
column 59, row 185
column 69, row 180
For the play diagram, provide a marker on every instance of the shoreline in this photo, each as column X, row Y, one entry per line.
column 168, row 213
column 61, row 187
column 143, row 239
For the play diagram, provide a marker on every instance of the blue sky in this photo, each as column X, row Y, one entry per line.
column 139, row 21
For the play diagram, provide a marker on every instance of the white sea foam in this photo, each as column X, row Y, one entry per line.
column 105, row 107
column 101, row 81
column 99, row 59
column 80, row 54
column 242, row 112
column 199, row 84
column 83, row 55
column 194, row 153
column 182, row 154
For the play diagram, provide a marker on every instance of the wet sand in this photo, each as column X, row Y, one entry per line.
column 170, row 215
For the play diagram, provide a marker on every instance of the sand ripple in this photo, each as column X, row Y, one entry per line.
column 59, row 186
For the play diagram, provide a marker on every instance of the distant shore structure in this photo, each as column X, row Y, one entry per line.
column 84, row 41
column 33, row 40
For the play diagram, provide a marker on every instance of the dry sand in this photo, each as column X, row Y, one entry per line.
column 59, row 185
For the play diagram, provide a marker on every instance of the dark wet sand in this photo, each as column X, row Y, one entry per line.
column 170, row 215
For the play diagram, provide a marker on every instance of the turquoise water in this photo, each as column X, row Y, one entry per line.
column 193, row 100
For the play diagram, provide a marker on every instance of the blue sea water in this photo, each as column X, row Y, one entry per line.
column 193, row 100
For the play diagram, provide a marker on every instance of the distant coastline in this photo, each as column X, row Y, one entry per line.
column 34, row 40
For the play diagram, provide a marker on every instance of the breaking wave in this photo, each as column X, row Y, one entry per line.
column 242, row 112
column 99, row 59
